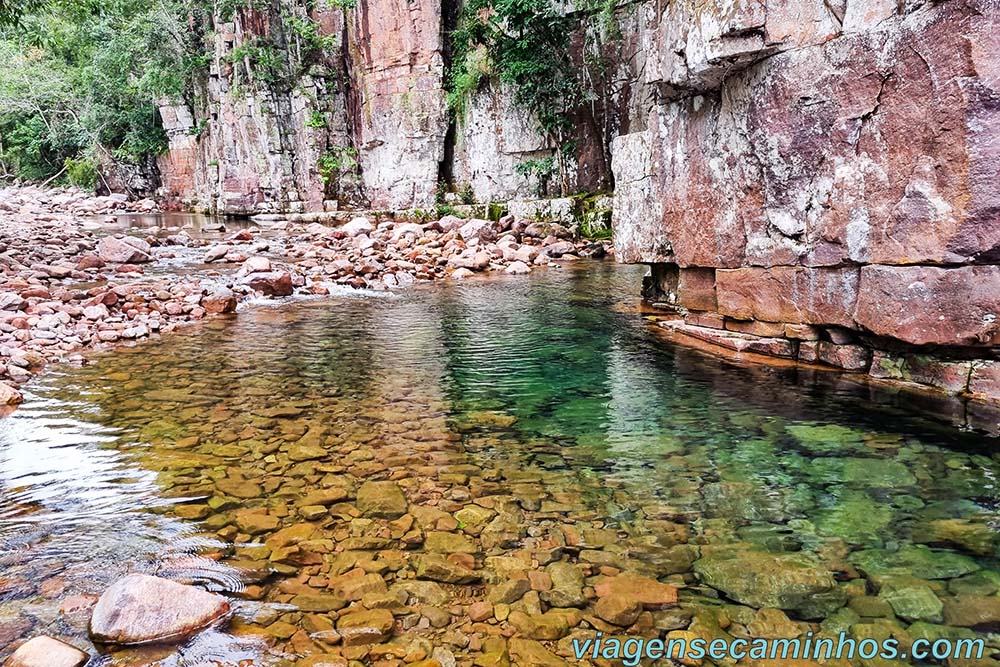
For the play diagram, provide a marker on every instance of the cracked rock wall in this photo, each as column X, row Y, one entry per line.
column 828, row 164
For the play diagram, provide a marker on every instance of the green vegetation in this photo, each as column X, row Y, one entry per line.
column 529, row 46
column 316, row 121
column 524, row 43
column 540, row 170
column 82, row 80
column 335, row 162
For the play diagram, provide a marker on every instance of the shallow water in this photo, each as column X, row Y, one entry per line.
column 546, row 404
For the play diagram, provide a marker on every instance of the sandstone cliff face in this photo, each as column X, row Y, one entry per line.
column 372, row 103
column 271, row 107
column 816, row 163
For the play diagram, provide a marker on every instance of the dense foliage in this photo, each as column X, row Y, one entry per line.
column 81, row 83
column 526, row 45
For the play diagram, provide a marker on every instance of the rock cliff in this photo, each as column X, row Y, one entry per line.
column 820, row 180
column 815, row 179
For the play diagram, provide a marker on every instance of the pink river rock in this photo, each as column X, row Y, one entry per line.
column 141, row 609
column 46, row 652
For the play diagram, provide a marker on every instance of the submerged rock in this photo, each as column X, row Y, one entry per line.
column 365, row 627
column 384, row 500
column 46, row 652
column 973, row 611
column 141, row 609
column 930, row 564
column 788, row 581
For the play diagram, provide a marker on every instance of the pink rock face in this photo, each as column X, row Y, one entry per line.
column 46, row 652
column 140, row 609
column 696, row 289
column 126, row 250
column 796, row 295
column 848, row 180
column 398, row 69
column 928, row 305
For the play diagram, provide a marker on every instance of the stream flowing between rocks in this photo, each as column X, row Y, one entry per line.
column 478, row 472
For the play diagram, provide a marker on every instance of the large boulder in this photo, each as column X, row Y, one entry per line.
column 927, row 305
column 482, row 231
column 357, row 226
column 46, row 652
column 788, row 581
column 271, row 283
column 141, row 609
column 124, row 250
column 221, row 300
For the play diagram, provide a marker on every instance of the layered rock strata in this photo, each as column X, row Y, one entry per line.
column 311, row 107
column 829, row 187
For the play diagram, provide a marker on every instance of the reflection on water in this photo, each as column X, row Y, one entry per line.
column 526, row 421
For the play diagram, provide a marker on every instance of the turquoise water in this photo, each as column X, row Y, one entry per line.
column 546, row 404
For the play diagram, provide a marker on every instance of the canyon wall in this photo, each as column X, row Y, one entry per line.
column 821, row 181
column 279, row 125
column 809, row 179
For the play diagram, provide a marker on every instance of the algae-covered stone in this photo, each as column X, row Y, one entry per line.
column 982, row 583
column 933, row 632
column 981, row 613
column 549, row 626
column 788, row 581
column 862, row 473
column 825, row 438
column 530, row 653
column 974, row 537
column 449, row 543
column 567, row 585
column 747, row 501
column 855, row 518
column 841, row 620
column 913, row 602
column 384, row 500
column 870, row 606
column 773, row 624
column 928, row 563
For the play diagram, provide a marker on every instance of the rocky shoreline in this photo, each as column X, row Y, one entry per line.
column 69, row 285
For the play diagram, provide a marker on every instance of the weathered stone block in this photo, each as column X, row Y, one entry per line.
column 756, row 328
column 984, row 380
column 927, row 305
column 848, row 357
column 709, row 320
column 809, row 351
column 797, row 295
column 732, row 340
column 696, row 289
column 949, row 376
column 802, row 332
